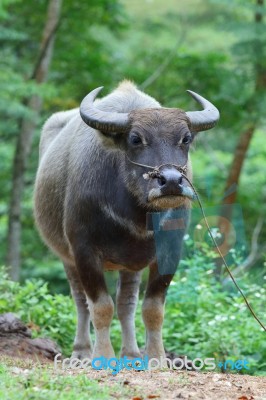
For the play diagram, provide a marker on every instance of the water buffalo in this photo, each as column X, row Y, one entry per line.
column 92, row 194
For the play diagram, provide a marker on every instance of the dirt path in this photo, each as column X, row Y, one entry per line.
column 185, row 385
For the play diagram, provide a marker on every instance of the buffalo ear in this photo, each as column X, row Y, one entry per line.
column 115, row 142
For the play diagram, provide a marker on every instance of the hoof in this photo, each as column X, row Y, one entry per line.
column 81, row 352
column 106, row 351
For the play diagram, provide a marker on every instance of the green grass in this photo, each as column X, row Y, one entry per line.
column 19, row 381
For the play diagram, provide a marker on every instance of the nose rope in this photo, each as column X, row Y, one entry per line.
column 155, row 173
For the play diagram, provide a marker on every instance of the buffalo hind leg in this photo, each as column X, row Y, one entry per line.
column 82, row 344
column 153, row 311
column 100, row 303
column 126, row 301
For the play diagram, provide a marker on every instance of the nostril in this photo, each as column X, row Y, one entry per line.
column 170, row 180
column 161, row 180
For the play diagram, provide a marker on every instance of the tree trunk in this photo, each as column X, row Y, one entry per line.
column 245, row 138
column 237, row 164
column 24, row 140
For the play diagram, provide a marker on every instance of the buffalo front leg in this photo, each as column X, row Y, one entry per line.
column 126, row 301
column 82, row 344
column 100, row 304
column 153, row 311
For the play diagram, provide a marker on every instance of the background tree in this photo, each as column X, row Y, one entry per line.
column 25, row 136
column 249, row 52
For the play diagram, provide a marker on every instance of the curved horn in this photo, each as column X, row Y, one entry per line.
column 205, row 119
column 106, row 122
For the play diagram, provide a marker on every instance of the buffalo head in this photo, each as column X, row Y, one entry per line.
column 153, row 137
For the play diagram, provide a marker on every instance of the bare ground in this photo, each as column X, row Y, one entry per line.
column 142, row 385
column 184, row 385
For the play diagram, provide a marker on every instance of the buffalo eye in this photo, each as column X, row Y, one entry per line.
column 187, row 140
column 135, row 139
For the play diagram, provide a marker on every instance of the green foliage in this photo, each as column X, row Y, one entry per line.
column 206, row 319
column 211, row 168
column 32, row 302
